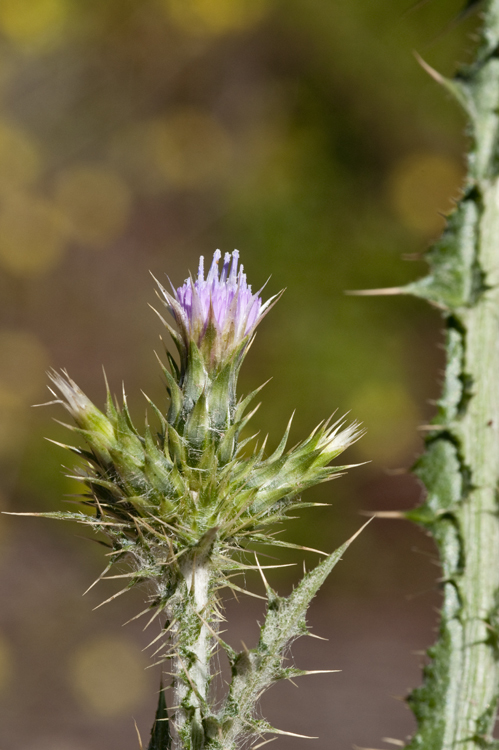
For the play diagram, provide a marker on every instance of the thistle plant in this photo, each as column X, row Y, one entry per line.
column 183, row 504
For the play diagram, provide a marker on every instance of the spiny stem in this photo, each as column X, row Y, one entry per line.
column 192, row 674
column 456, row 705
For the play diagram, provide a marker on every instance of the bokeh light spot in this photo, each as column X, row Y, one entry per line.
column 191, row 149
column 24, row 363
column 6, row 662
column 9, row 67
column 30, row 22
column 390, row 416
column 22, row 377
column 107, row 675
column 13, row 428
column 422, row 184
column 20, row 160
column 95, row 202
column 216, row 16
column 132, row 150
column 32, row 235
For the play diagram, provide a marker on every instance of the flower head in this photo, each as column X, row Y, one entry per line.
column 218, row 313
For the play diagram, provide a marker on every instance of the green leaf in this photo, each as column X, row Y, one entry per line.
column 254, row 671
column 454, row 280
column 160, row 734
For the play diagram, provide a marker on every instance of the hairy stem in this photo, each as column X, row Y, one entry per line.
column 191, row 662
column 456, row 705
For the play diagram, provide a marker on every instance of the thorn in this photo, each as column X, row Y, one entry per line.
column 357, row 533
column 319, row 637
column 99, row 578
column 105, row 379
column 234, row 588
column 265, row 582
column 141, row 746
column 433, row 558
column 293, row 734
column 319, row 671
column 169, row 655
column 215, row 635
column 414, row 7
column 162, row 633
column 311, row 549
column 382, row 513
column 114, row 596
column 458, row 91
column 255, row 747
column 117, row 552
column 387, row 292
column 242, row 567
column 438, row 77
column 157, row 612
column 155, row 653
column 71, row 427
column 391, row 741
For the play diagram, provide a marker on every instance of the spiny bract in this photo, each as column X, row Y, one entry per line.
column 190, row 487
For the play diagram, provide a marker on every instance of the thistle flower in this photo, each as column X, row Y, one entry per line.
column 218, row 314
column 183, row 502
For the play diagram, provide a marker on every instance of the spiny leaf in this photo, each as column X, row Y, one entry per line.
column 254, row 671
column 160, row 734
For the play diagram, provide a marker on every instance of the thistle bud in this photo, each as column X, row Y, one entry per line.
column 90, row 421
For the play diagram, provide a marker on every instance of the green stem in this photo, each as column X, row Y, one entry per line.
column 191, row 662
column 456, row 705
column 476, row 692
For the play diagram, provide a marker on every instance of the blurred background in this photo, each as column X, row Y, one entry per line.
column 136, row 135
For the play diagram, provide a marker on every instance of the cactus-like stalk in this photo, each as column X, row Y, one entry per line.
column 456, row 706
column 184, row 504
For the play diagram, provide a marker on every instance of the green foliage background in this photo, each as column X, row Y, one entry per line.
column 135, row 136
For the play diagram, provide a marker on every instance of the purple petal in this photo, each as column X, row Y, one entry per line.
column 225, row 298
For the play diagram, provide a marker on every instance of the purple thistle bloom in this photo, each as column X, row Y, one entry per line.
column 220, row 312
